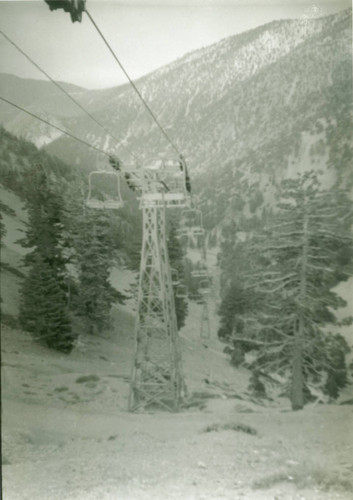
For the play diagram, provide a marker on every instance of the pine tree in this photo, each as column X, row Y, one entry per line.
column 233, row 306
column 95, row 246
column 43, row 308
column 299, row 259
column 284, row 297
column 45, row 314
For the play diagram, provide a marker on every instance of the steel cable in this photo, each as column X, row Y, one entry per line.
column 66, row 93
column 132, row 83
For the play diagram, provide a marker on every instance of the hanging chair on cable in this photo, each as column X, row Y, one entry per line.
column 200, row 273
column 175, row 277
column 204, row 286
column 191, row 223
column 104, row 190
column 154, row 165
column 164, row 184
column 181, row 292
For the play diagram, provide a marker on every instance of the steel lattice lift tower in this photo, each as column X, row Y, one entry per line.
column 157, row 376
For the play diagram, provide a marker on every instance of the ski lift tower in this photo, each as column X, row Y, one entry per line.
column 157, row 377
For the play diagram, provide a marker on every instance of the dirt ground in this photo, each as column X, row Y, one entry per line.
column 66, row 433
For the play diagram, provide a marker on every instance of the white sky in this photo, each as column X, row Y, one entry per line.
column 145, row 34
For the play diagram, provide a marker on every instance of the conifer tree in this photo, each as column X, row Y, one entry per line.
column 95, row 247
column 95, row 236
column 288, row 276
column 45, row 314
column 43, row 308
column 233, row 306
column 303, row 255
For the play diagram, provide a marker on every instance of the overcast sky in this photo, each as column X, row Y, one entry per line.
column 145, row 34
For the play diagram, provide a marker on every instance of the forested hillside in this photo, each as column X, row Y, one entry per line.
column 250, row 113
column 59, row 267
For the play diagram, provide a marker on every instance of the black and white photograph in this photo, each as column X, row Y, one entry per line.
column 176, row 222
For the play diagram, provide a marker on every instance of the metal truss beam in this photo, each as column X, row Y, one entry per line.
column 157, row 371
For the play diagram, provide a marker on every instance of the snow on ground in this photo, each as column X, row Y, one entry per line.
column 15, row 224
column 11, row 251
column 67, row 434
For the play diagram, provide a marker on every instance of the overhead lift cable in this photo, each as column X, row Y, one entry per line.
column 66, row 93
column 55, row 126
column 133, row 84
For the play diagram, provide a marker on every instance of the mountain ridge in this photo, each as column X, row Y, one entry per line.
column 293, row 85
column 214, row 51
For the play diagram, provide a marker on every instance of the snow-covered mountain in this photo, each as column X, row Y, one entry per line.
column 245, row 111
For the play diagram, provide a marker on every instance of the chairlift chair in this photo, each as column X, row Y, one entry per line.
column 192, row 222
column 175, row 175
column 154, row 165
column 113, row 202
column 204, row 287
column 172, row 164
column 175, row 277
column 164, row 184
column 199, row 273
column 181, row 292
column 181, row 233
